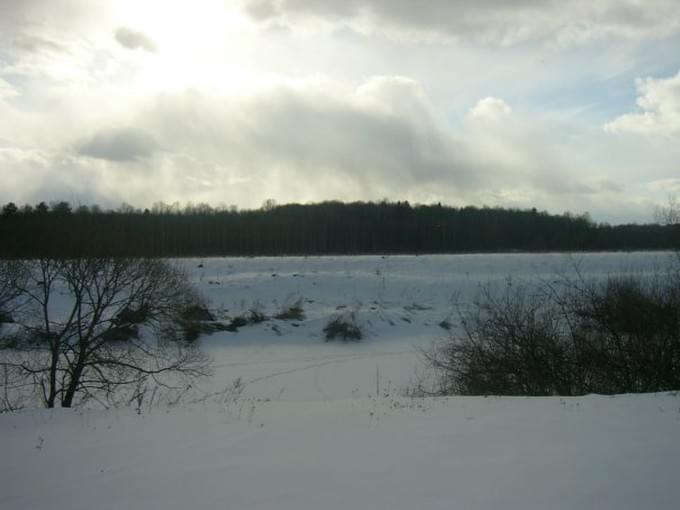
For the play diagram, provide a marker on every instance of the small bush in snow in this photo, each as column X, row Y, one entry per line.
column 133, row 315
column 293, row 312
column 344, row 327
column 197, row 312
column 255, row 315
column 195, row 320
column 237, row 322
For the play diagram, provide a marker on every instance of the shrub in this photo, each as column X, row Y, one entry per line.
column 192, row 330
column 121, row 333
column 237, row 322
column 626, row 333
column 343, row 326
column 255, row 315
column 197, row 312
column 133, row 315
column 614, row 336
column 445, row 324
column 125, row 325
column 292, row 312
column 187, row 322
column 509, row 343
column 195, row 320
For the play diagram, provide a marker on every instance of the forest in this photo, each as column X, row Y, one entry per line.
column 62, row 230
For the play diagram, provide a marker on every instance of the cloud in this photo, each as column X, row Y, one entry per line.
column 261, row 10
column 48, row 43
column 44, row 175
column 299, row 114
column 659, row 109
column 119, row 144
column 312, row 140
column 7, row 90
column 132, row 40
column 379, row 138
column 490, row 109
column 490, row 21
column 516, row 158
column 302, row 140
column 319, row 140
column 668, row 186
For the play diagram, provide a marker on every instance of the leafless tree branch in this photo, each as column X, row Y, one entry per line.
column 74, row 315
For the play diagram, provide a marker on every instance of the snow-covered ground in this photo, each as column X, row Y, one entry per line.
column 399, row 303
column 324, row 425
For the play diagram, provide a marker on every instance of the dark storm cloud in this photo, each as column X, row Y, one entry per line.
column 132, row 40
column 119, row 144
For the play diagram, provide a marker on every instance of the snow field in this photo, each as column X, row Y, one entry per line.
column 323, row 425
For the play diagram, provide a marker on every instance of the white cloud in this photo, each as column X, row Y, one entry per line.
column 232, row 113
column 668, row 186
column 518, row 160
column 7, row 90
column 489, row 21
column 309, row 141
column 319, row 140
column 659, row 109
column 490, row 109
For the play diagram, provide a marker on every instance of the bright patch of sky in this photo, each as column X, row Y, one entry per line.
column 535, row 103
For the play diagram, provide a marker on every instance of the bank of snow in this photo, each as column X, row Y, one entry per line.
column 595, row 452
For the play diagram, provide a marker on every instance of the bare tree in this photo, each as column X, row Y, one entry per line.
column 11, row 278
column 78, row 322
column 670, row 213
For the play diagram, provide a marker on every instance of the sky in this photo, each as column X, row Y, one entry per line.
column 563, row 106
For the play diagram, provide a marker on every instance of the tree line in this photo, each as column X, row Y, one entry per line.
column 62, row 230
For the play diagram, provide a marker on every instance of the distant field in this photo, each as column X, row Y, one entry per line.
column 399, row 302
